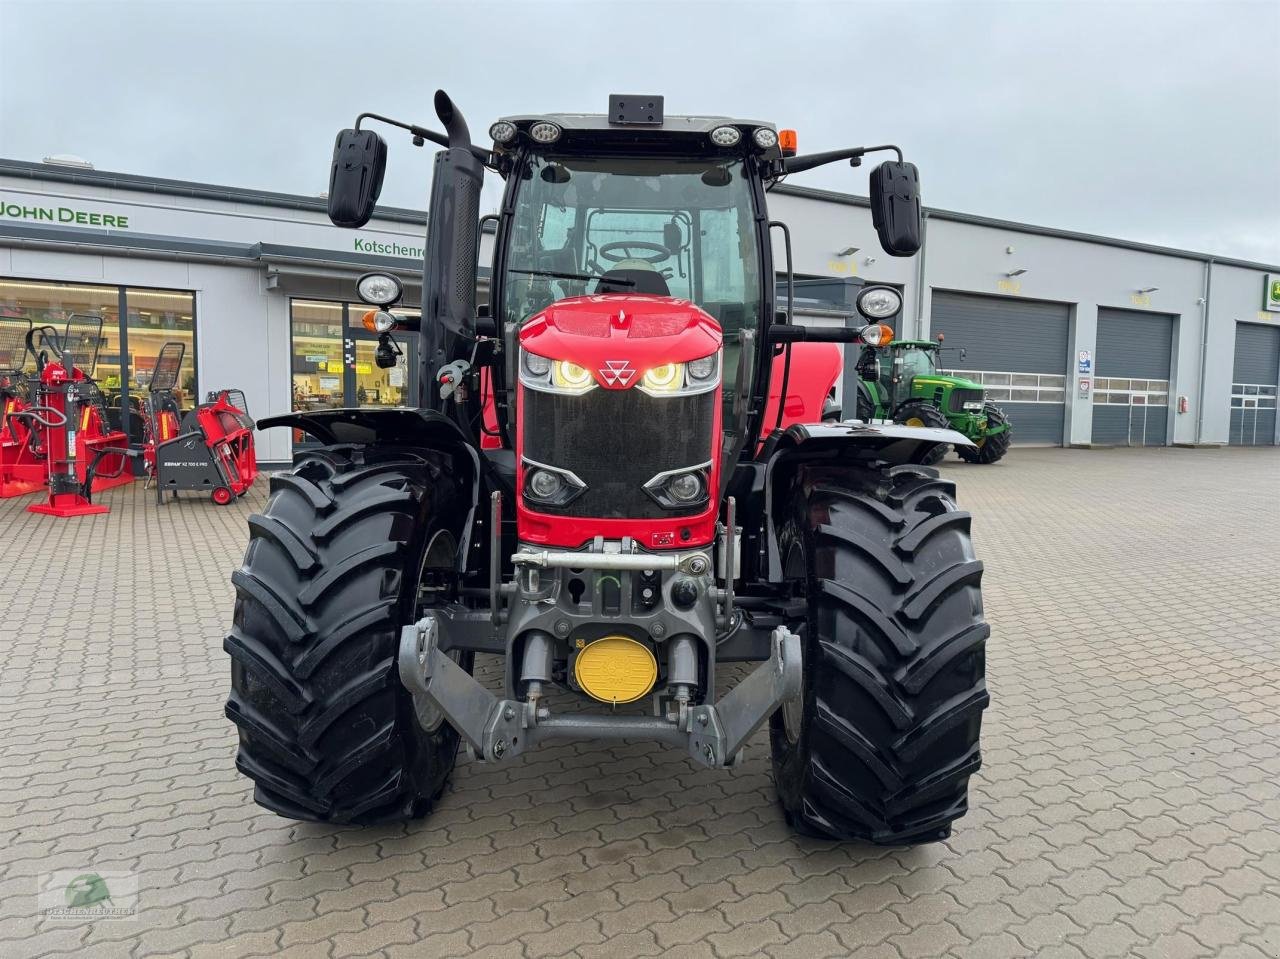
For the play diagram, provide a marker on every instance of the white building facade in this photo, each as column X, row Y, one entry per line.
column 1085, row 340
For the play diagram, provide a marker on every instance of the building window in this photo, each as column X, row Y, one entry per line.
column 128, row 347
column 157, row 317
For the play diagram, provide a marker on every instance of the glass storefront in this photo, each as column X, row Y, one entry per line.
column 127, row 351
column 333, row 359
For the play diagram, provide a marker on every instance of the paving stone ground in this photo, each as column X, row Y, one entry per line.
column 1129, row 804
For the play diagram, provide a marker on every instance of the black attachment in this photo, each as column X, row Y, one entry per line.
column 449, row 270
column 895, row 207
column 635, row 108
column 791, row 333
column 355, row 179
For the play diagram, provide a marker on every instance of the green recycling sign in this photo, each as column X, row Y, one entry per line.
column 1271, row 299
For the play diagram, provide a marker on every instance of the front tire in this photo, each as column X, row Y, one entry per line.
column 989, row 448
column 886, row 734
column 327, row 733
column 922, row 413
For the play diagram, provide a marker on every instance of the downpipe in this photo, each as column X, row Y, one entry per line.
column 499, row 729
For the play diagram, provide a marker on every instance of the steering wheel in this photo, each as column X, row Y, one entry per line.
column 622, row 250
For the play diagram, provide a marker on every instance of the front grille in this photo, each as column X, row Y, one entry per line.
column 615, row 441
column 961, row 397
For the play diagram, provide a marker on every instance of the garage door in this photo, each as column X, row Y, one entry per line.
column 1131, row 378
column 1253, row 387
column 1017, row 349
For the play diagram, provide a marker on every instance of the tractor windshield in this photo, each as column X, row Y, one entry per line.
column 916, row 361
column 681, row 227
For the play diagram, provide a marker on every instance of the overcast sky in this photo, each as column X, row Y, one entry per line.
column 1157, row 122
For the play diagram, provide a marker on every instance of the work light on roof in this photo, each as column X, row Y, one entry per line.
column 379, row 289
column 726, row 136
column 878, row 302
column 765, row 138
column 544, row 131
column 502, row 132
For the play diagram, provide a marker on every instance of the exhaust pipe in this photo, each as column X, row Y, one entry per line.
column 454, row 124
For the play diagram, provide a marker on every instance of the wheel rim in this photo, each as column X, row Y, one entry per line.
column 440, row 553
column 793, row 709
column 915, row 421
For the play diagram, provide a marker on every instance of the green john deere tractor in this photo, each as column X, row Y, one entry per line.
column 900, row 382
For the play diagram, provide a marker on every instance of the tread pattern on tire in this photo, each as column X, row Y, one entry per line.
column 895, row 659
column 326, row 731
column 933, row 418
column 995, row 447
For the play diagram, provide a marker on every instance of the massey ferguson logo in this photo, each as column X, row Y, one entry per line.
column 617, row 372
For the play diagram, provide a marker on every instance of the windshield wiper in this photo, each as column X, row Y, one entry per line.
column 555, row 275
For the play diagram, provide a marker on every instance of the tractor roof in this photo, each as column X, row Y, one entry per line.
column 921, row 344
column 588, row 132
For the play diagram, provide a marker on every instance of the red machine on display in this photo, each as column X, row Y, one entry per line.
column 213, row 450
column 66, row 422
column 22, row 469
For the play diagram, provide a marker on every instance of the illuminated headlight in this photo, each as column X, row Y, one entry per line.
column 765, row 138
column 544, row 131
column 380, row 289
column 973, row 406
column 548, row 486
column 680, row 489
column 554, row 376
column 879, row 302
column 569, row 377
column 502, row 132
column 682, row 379
column 726, row 136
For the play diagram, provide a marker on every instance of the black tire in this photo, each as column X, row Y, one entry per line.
column 886, row 735
column 327, row 733
column 865, row 410
column 922, row 413
column 989, row 448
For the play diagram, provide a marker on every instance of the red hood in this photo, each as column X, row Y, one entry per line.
column 649, row 331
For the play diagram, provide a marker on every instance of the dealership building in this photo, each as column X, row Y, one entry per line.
column 1084, row 340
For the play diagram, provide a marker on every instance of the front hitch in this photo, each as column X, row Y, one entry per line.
column 498, row 729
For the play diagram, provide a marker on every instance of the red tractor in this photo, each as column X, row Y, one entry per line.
column 601, row 485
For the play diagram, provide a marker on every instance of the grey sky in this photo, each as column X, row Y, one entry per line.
column 1155, row 122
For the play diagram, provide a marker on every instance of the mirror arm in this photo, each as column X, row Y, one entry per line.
column 809, row 161
column 422, row 133
column 793, row 333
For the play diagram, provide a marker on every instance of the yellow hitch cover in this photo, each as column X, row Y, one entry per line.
column 616, row 669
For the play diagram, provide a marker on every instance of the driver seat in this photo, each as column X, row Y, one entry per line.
column 633, row 280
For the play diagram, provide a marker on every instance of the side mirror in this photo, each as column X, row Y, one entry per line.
column 895, row 207
column 355, row 179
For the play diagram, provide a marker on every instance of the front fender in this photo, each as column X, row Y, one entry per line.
column 396, row 427
column 854, row 441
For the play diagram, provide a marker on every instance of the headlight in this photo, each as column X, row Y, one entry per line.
column 877, row 334
column 973, row 406
column 570, row 377
column 879, row 302
column 544, row 131
column 534, row 364
column 681, row 488
column 682, row 379
column 765, row 138
column 547, row 486
column 664, row 379
column 380, row 289
column 502, row 131
column 726, row 136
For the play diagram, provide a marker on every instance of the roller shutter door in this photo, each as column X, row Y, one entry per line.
column 1131, row 378
column 1017, row 349
column 1253, row 386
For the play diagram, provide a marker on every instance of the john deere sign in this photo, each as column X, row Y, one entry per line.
column 63, row 214
column 1271, row 295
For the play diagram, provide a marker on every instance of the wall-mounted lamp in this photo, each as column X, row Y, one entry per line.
column 847, row 251
column 1150, row 289
column 1015, row 273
